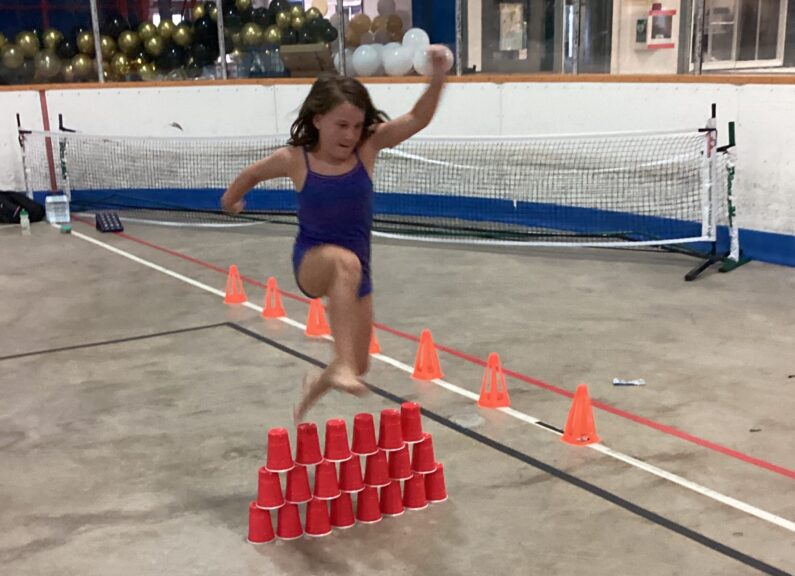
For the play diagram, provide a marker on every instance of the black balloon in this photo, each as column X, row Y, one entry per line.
column 277, row 6
column 246, row 16
column 330, row 33
column 114, row 25
column 262, row 17
column 172, row 57
column 203, row 54
column 66, row 49
column 204, row 29
column 289, row 36
column 306, row 37
column 232, row 19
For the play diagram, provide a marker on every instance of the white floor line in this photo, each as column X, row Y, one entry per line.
column 651, row 469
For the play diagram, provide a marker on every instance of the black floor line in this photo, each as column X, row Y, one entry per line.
column 109, row 342
column 544, row 467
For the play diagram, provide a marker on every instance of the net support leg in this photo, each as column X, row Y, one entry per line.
column 696, row 272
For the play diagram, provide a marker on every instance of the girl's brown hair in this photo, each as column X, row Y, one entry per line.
column 328, row 92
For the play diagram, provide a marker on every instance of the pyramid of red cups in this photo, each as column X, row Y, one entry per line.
column 387, row 474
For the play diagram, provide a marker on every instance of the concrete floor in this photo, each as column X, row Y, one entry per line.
column 131, row 456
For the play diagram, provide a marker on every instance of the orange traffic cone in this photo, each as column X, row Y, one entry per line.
column 316, row 325
column 234, row 287
column 580, row 428
column 273, row 301
column 426, row 366
column 375, row 347
column 493, row 391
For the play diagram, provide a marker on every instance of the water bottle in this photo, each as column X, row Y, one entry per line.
column 57, row 208
column 24, row 221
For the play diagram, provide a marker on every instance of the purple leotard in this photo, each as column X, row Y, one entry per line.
column 336, row 210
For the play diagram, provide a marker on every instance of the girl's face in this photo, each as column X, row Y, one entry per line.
column 340, row 130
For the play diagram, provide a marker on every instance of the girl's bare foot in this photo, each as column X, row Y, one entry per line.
column 315, row 386
column 342, row 378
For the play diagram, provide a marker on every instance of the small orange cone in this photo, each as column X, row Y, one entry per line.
column 426, row 366
column 580, row 428
column 493, row 391
column 316, row 325
column 375, row 347
column 273, row 301
column 234, row 287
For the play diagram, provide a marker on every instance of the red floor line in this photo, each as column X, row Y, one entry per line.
column 664, row 428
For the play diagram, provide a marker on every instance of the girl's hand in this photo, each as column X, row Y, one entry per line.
column 232, row 207
column 437, row 55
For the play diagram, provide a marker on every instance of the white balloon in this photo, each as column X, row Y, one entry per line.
column 392, row 45
column 349, row 67
column 397, row 60
column 416, row 39
column 366, row 60
column 422, row 64
column 386, row 7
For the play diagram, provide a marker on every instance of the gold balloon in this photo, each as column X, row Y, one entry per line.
column 85, row 43
column 283, row 19
column 352, row 37
column 11, row 56
column 107, row 46
column 198, row 11
column 273, row 35
column 394, row 24
column 137, row 63
column 321, row 5
column 155, row 46
column 396, row 36
column 128, row 42
column 313, row 14
column 82, row 65
column 296, row 10
column 237, row 54
column 68, row 72
column 47, row 64
column 28, row 43
column 148, row 71
column 251, row 34
column 52, row 38
column 237, row 40
column 146, row 30
column 166, row 29
column 3, row 40
column 361, row 23
column 214, row 13
column 120, row 64
column 243, row 5
column 378, row 22
column 183, row 35
column 298, row 22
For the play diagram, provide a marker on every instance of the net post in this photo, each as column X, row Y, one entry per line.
column 97, row 44
column 21, row 139
column 221, row 40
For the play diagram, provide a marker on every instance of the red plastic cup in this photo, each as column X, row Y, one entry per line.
column 390, row 435
column 260, row 528
column 411, row 422
column 351, row 475
column 376, row 472
column 364, row 442
column 414, row 493
column 435, row 490
column 289, row 523
column 337, row 441
column 318, row 522
column 307, row 452
column 391, row 501
column 326, row 486
column 342, row 511
column 368, row 510
column 280, row 457
column 269, row 490
column 400, row 464
column 298, row 490
column 422, row 459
